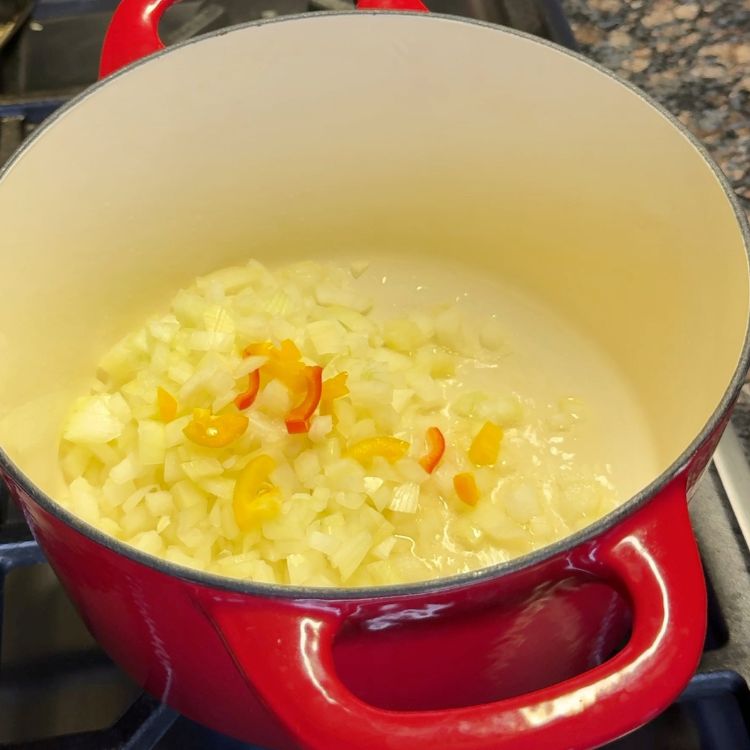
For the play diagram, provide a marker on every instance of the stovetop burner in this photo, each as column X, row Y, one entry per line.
column 58, row 690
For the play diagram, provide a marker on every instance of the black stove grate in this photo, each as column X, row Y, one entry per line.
column 139, row 728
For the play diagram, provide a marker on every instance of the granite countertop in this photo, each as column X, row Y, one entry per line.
column 694, row 58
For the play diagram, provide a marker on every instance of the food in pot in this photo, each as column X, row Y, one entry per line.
column 277, row 426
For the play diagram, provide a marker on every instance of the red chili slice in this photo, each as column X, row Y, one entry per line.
column 245, row 399
column 298, row 419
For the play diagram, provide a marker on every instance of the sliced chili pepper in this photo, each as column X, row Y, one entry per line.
column 435, row 450
column 466, row 488
column 262, row 349
column 333, row 388
column 298, row 419
column 264, row 507
column 291, row 374
column 390, row 448
column 167, row 404
column 254, row 499
column 215, row 430
column 486, row 445
column 245, row 399
column 283, row 363
column 286, row 351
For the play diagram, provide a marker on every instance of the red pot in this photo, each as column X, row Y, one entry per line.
column 558, row 177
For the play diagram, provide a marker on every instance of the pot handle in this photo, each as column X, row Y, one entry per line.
column 133, row 32
column 286, row 655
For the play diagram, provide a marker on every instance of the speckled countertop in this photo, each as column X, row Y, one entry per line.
column 693, row 57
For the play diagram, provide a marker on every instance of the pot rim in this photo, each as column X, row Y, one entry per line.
column 283, row 591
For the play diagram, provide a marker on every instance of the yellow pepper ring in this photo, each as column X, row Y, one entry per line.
column 390, row 448
column 215, row 430
column 252, row 506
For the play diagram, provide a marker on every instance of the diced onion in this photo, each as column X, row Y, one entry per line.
column 334, row 515
column 405, row 498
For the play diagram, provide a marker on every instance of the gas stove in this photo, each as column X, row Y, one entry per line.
column 57, row 688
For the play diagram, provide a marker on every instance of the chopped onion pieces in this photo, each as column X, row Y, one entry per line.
column 272, row 427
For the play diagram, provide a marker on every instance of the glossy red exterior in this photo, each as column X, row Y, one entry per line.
column 132, row 34
column 516, row 660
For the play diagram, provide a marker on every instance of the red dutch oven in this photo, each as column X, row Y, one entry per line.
column 423, row 134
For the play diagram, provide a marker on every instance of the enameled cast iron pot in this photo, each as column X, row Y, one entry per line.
column 304, row 137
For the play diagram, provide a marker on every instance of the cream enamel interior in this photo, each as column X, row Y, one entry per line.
column 319, row 136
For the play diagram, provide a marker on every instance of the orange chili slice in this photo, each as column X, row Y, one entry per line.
column 333, row 388
column 286, row 351
column 167, row 404
column 390, row 448
column 245, row 399
column 298, row 419
column 215, row 430
column 283, row 363
column 435, row 450
column 261, row 349
column 466, row 488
